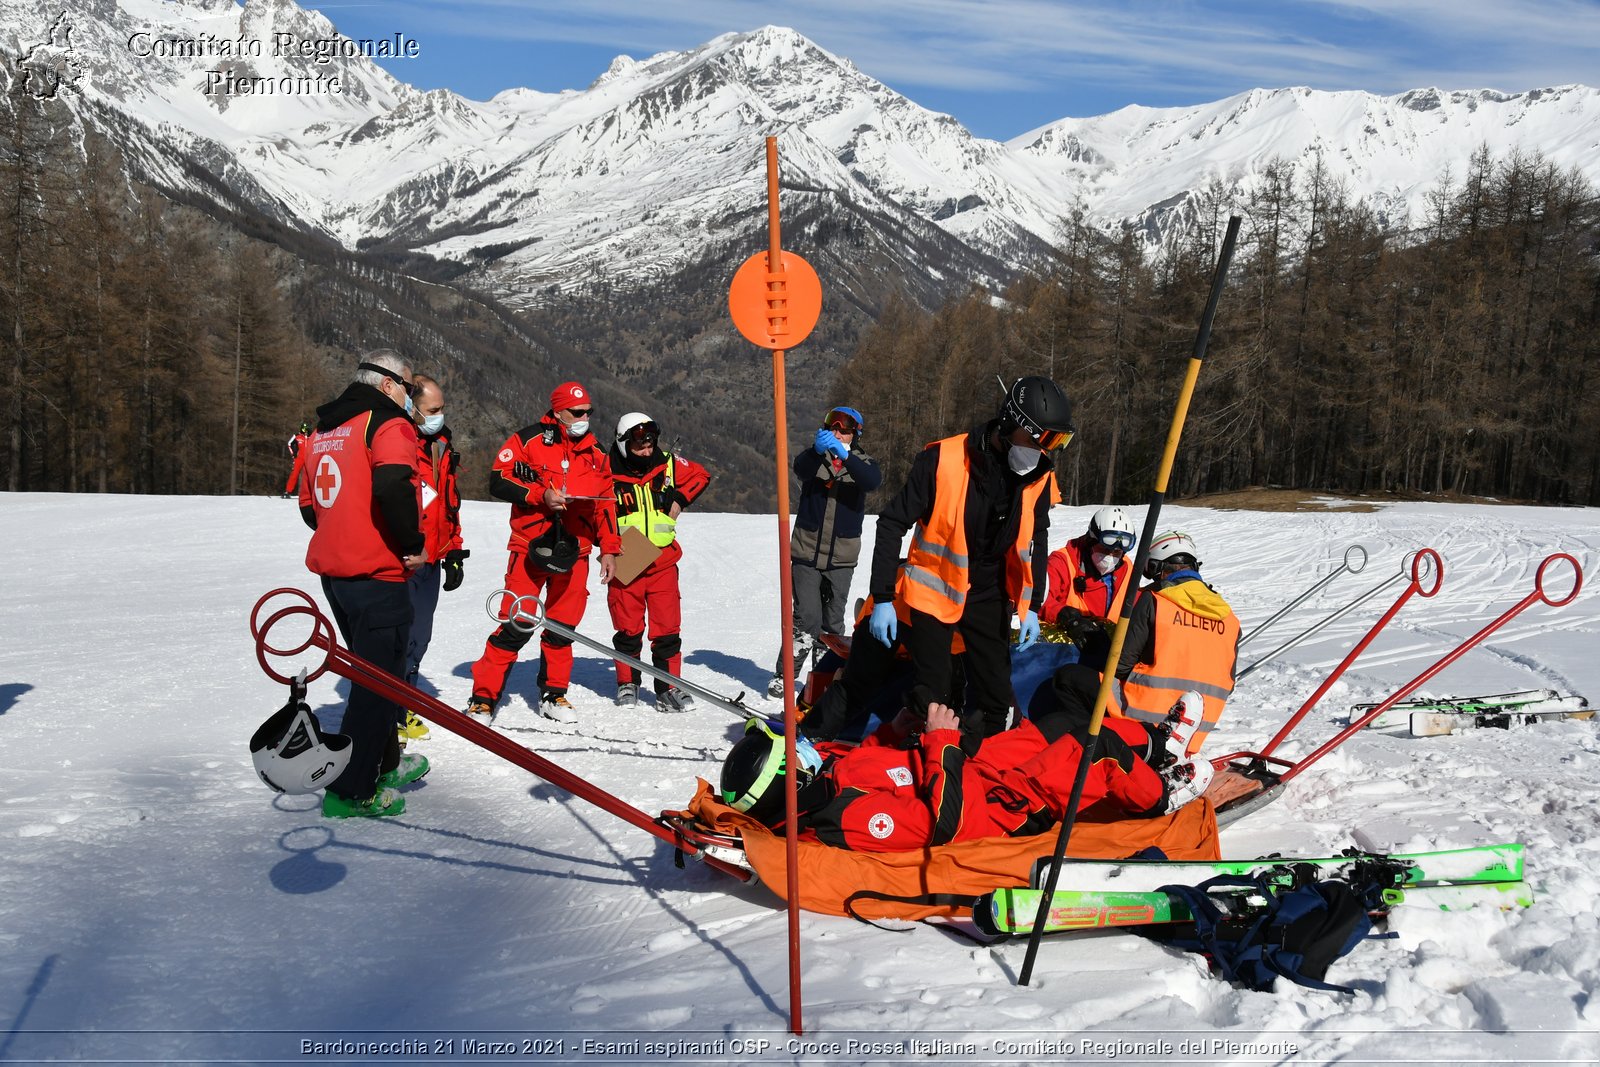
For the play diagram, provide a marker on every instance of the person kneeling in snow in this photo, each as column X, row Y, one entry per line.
column 911, row 786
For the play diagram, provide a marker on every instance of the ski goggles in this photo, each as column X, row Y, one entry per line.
column 409, row 387
column 841, row 422
column 644, row 433
column 1117, row 540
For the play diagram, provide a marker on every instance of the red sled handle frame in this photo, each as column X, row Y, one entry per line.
column 348, row 665
column 1256, row 769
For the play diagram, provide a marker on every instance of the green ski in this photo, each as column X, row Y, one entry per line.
column 1483, row 863
column 1012, row 911
column 1398, row 714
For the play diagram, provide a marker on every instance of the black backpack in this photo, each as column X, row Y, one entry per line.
column 1292, row 931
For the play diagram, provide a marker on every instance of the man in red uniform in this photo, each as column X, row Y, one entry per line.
column 437, row 466
column 911, row 786
column 653, row 487
column 359, row 497
column 558, row 482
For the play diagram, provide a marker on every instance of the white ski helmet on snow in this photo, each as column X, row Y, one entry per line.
column 1112, row 527
column 1173, row 548
column 293, row 755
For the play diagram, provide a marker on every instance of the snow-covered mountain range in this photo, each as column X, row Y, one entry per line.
column 659, row 163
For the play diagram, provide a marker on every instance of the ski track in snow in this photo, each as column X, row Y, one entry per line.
column 158, row 903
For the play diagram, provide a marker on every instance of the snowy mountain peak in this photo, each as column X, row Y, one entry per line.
column 624, row 178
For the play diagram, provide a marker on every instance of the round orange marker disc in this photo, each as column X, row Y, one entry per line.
column 779, row 318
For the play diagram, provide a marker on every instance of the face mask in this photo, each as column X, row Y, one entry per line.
column 578, row 429
column 1103, row 561
column 409, row 408
column 432, row 424
column 1022, row 459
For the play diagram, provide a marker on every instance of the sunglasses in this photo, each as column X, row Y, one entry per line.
column 579, row 413
column 644, row 433
column 410, row 388
column 1117, row 540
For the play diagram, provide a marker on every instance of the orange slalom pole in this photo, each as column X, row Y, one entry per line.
column 777, row 313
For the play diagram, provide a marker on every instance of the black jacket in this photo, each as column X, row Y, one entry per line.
column 994, row 503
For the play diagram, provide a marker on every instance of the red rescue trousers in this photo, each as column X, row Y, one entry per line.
column 653, row 599
column 564, row 597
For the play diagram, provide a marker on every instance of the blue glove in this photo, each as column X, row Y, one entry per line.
column 836, row 446
column 883, row 625
column 1029, row 632
column 824, row 442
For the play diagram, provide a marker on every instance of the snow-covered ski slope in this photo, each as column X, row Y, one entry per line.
column 158, row 904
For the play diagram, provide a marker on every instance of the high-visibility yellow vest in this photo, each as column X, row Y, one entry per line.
column 657, row 525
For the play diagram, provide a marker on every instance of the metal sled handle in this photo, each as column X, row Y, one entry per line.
column 527, row 614
column 321, row 635
column 1355, row 561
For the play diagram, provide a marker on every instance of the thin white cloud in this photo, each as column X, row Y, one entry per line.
column 1150, row 49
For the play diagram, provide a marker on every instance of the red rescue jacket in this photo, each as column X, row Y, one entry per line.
column 437, row 465
column 668, row 480
column 578, row 468
column 351, row 535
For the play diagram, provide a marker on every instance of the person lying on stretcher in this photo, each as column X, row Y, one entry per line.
column 910, row 786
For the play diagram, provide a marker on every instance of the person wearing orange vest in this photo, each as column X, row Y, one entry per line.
column 558, row 481
column 359, row 496
column 1182, row 638
column 1089, row 579
column 979, row 505
column 437, row 466
column 653, row 486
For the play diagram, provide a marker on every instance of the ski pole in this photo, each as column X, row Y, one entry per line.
column 1108, row 674
column 1339, row 614
column 1460, row 650
column 346, row 664
column 1353, row 567
column 526, row 614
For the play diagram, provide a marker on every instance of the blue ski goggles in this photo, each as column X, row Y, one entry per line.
column 1117, row 540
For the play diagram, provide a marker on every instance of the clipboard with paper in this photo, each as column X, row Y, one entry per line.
column 638, row 552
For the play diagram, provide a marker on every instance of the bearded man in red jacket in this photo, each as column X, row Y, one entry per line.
column 558, row 481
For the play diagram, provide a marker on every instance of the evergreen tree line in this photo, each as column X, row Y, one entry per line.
column 149, row 350
column 1347, row 356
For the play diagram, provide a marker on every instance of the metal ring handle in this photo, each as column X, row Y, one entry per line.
column 320, row 628
column 1436, row 565
column 256, row 629
column 1577, row 579
column 1355, row 568
column 518, row 615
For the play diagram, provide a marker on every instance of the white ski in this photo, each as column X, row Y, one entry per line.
column 1438, row 724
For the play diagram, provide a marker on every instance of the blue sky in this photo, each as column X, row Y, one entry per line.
column 1003, row 67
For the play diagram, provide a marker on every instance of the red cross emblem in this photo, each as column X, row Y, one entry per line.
column 880, row 825
column 325, row 485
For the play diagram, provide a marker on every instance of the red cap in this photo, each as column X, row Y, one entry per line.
column 569, row 395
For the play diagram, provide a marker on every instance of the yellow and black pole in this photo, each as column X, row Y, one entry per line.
column 1108, row 674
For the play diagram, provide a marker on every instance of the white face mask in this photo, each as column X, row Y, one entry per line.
column 578, row 429
column 1022, row 459
column 1103, row 561
column 432, row 424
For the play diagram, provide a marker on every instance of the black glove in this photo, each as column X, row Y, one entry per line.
column 453, row 570
column 523, row 473
column 1079, row 628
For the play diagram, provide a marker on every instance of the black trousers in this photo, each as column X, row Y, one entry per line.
column 985, row 628
column 374, row 619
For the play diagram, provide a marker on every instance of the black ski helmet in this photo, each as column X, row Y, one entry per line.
column 555, row 550
column 1038, row 406
column 753, row 773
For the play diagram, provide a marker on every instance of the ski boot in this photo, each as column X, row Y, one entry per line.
column 805, row 650
column 674, row 699
column 627, row 694
column 554, row 705
column 408, row 770
column 1186, row 780
column 1170, row 741
column 480, row 709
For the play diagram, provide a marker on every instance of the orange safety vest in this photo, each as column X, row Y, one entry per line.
column 1074, row 599
column 1194, row 649
column 934, row 579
